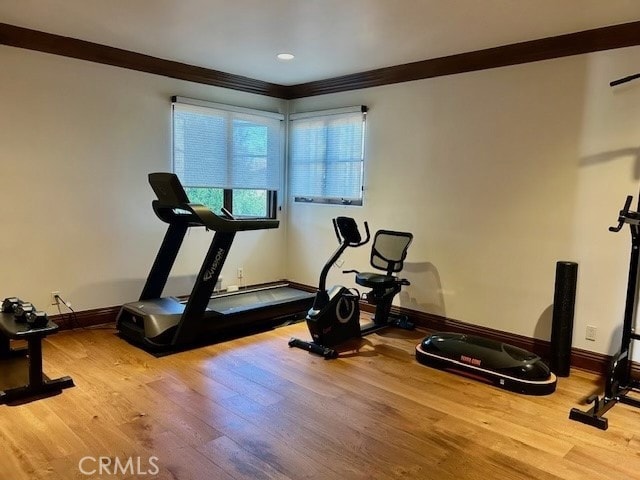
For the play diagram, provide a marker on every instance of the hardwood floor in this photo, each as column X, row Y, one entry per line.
column 252, row 408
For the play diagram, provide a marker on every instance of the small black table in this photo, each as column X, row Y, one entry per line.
column 38, row 384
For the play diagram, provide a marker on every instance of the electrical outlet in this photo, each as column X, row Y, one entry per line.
column 240, row 272
column 591, row 333
column 55, row 298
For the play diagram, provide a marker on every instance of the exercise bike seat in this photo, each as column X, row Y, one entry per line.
column 388, row 252
column 376, row 280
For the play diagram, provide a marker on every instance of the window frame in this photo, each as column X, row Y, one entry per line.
column 328, row 200
column 271, row 204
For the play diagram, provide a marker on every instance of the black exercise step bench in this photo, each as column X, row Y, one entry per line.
column 38, row 384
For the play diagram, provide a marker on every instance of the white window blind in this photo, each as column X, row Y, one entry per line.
column 327, row 156
column 226, row 147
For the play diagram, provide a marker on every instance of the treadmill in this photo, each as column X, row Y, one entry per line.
column 166, row 323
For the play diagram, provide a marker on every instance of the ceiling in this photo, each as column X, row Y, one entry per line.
column 328, row 37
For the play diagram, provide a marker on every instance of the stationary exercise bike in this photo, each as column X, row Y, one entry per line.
column 335, row 315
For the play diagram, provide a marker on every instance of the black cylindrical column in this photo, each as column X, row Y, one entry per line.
column 564, row 301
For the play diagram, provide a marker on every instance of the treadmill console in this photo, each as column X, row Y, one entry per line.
column 168, row 188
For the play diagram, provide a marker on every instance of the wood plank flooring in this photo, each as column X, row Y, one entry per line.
column 252, row 408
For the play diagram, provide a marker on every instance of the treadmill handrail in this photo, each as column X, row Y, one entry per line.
column 199, row 215
column 172, row 197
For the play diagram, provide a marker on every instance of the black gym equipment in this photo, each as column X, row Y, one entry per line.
column 10, row 304
column 498, row 363
column 24, row 312
column 21, row 375
column 619, row 383
column 335, row 315
column 157, row 323
column 564, row 301
column 37, row 319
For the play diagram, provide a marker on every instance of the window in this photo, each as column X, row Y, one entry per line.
column 228, row 156
column 327, row 156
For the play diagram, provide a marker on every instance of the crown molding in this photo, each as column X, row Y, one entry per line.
column 71, row 47
column 605, row 38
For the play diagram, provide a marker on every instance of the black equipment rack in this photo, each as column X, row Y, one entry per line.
column 619, row 382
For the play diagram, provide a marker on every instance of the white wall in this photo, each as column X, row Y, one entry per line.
column 499, row 174
column 77, row 141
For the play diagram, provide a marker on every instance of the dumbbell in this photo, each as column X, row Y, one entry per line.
column 10, row 304
column 19, row 308
column 37, row 319
column 22, row 311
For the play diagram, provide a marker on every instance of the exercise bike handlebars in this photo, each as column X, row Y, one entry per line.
column 347, row 232
column 348, row 235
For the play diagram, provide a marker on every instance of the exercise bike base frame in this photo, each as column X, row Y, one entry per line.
column 329, row 353
column 326, row 352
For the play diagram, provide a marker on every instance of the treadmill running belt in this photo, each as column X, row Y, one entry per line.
column 250, row 300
